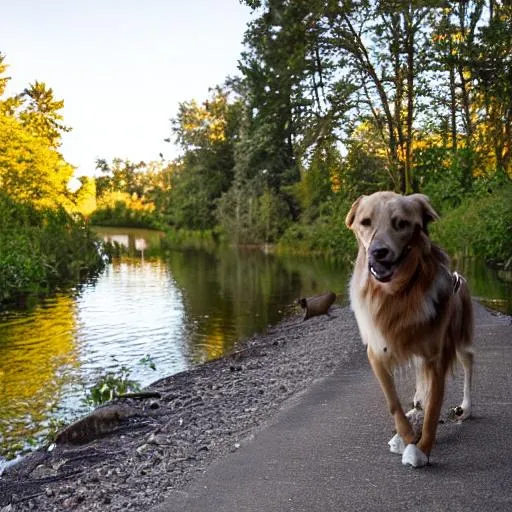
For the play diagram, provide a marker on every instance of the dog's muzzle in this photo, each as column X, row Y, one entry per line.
column 382, row 262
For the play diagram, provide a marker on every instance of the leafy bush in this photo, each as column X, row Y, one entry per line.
column 121, row 209
column 481, row 226
column 40, row 249
column 111, row 385
column 327, row 234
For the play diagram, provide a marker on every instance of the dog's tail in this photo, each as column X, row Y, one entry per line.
column 465, row 323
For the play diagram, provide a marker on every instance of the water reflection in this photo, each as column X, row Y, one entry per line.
column 232, row 294
column 492, row 288
column 133, row 309
column 181, row 308
column 38, row 356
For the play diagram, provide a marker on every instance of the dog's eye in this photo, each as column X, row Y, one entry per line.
column 402, row 224
column 366, row 222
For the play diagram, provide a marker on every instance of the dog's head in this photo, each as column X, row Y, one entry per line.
column 387, row 226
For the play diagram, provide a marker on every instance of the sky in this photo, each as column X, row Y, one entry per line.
column 121, row 66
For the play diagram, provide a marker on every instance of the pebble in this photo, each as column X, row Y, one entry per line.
column 43, row 471
column 142, row 449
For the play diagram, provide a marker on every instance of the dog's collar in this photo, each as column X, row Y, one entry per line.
column 456, row 282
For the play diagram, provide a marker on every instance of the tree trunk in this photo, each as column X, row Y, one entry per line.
column 409, row 30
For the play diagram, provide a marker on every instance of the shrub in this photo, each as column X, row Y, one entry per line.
column 481, row 226
column 327, row 234
column 41, row 249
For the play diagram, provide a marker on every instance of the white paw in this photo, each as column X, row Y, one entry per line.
column 414, row 457
column 396, row 445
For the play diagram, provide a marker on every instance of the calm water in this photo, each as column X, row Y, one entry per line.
column 181, row 308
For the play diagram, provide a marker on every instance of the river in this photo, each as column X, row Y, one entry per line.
column 173, row 309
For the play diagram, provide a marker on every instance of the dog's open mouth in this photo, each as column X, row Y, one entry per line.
column 383, row 272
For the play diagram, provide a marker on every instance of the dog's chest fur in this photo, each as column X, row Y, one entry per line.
column 401, row 322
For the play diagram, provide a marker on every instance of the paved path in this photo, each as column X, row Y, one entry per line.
column 327, row 451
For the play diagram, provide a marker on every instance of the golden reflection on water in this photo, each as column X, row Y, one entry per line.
column 36, row 352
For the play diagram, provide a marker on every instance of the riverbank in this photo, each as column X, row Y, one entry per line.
column 161, row 443
column 158, row 445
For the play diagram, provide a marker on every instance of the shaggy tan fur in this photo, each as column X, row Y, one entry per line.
column 409, row 306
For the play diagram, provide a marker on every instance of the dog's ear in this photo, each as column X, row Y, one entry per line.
column 351, row 215
column 428, row 212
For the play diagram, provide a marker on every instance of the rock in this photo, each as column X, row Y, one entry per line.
column 143, row 448
column 318, row 305
column 68, row 503
column 43, row 471
column 96, row 424
column 158, row 439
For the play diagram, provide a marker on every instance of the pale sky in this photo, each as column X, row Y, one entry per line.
column 121, row 66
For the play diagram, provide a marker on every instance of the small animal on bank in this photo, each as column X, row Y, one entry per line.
column 318, row 305
column 409, row 306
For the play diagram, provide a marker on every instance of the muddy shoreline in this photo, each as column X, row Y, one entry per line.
column 143, row 448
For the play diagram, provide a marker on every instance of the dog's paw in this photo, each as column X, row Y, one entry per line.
column 459, row 414
column 396, row 445
column 414, row 457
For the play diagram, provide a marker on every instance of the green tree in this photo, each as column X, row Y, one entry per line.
column 29, row 169
column 207, row 135
column 121, row 176
column 492, row 69
column 40, row 113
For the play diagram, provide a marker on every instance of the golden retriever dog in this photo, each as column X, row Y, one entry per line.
column 409, row 306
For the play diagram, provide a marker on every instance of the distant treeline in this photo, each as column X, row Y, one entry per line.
column 338, row 99
column 333, row 100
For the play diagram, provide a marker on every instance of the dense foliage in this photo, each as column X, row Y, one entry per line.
column 43, row 242
column 41, row 249
column 334, row 100
column 481, row 226
column 338, row 99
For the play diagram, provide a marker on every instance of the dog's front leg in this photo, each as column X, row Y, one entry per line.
column 418, row 455
column 383, row 373
column 436, row 377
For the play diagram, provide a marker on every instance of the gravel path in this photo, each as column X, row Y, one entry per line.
column 138, row 450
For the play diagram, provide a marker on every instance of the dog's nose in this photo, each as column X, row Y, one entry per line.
column 380, row 252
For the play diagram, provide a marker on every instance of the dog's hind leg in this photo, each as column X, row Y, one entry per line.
column 418, row 402
column 465, row 356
